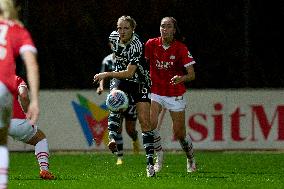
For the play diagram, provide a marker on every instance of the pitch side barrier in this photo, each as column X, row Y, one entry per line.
column 215, row 120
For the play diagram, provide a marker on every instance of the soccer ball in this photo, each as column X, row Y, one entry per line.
column 117, row 100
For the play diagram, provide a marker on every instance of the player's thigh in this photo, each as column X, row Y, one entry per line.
column 155, row 111
column 22, row 130
column 5, row 112
column 5, row 107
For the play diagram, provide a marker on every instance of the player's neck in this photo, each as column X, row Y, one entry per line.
column 167, row 41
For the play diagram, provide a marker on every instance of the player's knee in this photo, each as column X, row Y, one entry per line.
column 36, row 138
column 144, row 119
column 145, row 125
column 40, row 135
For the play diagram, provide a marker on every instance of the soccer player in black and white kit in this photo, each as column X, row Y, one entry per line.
column 131, row 75
column 129, row 115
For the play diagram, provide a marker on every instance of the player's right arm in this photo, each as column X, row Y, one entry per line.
column 104, row 68
column 100, row 88
column 128, row 73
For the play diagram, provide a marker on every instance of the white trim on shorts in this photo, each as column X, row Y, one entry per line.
column 172, row 103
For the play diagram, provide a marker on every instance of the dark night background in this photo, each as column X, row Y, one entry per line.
column 236, row 43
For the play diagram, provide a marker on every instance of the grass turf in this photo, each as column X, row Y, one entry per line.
column 98, row 170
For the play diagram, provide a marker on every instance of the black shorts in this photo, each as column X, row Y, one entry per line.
column 139, row 92
column 131, row 113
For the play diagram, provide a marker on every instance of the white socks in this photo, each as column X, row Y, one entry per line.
column 4, row 164
column 42, row 154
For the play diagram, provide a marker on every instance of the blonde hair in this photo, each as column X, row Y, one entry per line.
column 8, row 10
column 131, row 21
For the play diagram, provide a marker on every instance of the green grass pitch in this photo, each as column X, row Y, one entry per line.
column 98, row 170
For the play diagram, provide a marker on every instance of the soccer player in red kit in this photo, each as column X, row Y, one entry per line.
column 20, row 128
column 14, row 40
column 169, row 59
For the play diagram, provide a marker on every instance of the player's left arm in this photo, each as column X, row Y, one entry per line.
column 190, row 74
column 33, row 81
column 188, row 61
column 184, row 78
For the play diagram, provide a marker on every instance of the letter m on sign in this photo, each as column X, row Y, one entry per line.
column 259, row 114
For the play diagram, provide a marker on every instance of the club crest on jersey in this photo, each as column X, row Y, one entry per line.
column 172, row 57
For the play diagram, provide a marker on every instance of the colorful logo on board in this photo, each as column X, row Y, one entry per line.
column 93, row 120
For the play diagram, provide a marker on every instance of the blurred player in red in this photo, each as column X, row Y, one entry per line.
column 14, row 40
column 21, row 130
column 171, row 64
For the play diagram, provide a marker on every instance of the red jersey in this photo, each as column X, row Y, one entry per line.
column 14, row 40
column 18, row 112
column 165, row 64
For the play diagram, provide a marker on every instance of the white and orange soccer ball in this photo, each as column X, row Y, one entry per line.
column 117, row 100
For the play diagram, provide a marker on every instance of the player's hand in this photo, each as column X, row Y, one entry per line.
column 100, row 90
column 98, row 77
column 176, row 80
column 33, row 112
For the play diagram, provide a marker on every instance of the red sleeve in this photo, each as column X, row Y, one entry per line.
column 148, row 49
column 22, row 40
column 186, row 57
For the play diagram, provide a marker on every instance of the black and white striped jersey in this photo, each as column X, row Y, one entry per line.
column 131, row 53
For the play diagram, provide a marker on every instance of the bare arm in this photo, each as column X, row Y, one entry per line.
column 128, row 73
column 184, row 78
column 33, row 81
column 100, row 88
column 105, row 66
